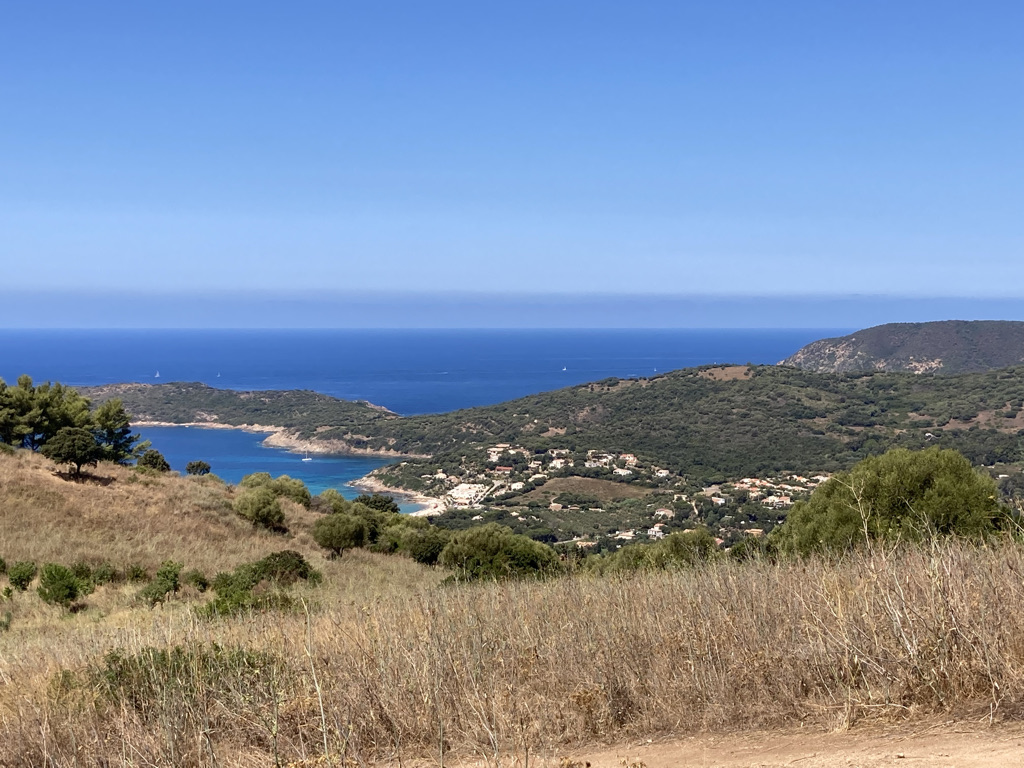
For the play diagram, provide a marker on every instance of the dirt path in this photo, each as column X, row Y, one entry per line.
column 942, row 745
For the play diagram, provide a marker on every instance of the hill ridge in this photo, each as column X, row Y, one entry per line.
column 943, row 346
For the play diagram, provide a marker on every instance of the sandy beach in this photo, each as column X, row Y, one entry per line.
column 431, row 506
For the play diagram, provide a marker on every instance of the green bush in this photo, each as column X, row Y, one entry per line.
column 681, row 549
column 494, row 552
column 235, row 589
column 3, row 566
column 339, row 532
column 197, row 579
column 104, row 573
column 199, row 468
column 58, row 585
column 154, row 460
column 164, row 584
column 21, row 574
column 289, row 488
column 261, row 508
column 900, row 495
column 136, row 572
column 424, row 545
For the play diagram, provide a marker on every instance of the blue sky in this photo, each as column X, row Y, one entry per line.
column 570, row 148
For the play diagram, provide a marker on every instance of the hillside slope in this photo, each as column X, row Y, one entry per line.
column 948, row 346
column 705, row 422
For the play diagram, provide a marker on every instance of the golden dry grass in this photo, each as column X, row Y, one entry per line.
column 389, row 665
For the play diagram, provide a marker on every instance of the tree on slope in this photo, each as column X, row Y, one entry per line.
column 75, row 446
column 900, row 495
column 114, row 433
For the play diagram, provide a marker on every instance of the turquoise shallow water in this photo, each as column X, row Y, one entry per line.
column 233, row 453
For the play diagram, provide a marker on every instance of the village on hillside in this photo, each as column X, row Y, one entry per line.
column 604, row 499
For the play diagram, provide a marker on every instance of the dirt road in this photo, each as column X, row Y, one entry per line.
column 939, row 745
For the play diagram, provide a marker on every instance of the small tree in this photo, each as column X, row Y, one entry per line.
column 58, row 585
column 197, row 468
column 153, row 459
column 339, row 532
column 20, row 574
column 75, row 446
column 261, row 508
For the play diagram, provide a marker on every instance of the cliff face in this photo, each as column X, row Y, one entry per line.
column 948, row 346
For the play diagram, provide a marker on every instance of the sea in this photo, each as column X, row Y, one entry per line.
column 407, row 371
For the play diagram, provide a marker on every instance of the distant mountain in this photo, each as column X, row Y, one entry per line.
column 947, row 346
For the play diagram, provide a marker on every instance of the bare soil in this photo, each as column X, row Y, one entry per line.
column 936, row 745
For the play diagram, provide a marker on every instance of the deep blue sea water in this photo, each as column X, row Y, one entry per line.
column 408, row 371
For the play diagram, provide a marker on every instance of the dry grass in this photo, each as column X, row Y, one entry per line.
column 603, row 490
column 391, row 666
column 126, row 517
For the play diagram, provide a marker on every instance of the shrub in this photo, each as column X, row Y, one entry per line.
column 235, row 589
column 197, row 579
column 199, row 468
column 285, row 486
column 339, row 532
column 261, row 508
column 58, row 585
column 902, row 494
column 104, row 573
column 163, row 584
column 154, row 460
column 494, row 552
column 378, row 501
column 681, row 549
column 424, row 545
column 136, row 572
column 3, row 565
column 21, row 574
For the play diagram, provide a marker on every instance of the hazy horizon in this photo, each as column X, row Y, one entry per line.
column 403, row 309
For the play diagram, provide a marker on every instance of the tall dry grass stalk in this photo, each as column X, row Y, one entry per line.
column 498, row 672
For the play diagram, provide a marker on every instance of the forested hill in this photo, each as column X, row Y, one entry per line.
column 949, row 346
column 704, row 422
column 738, row 420
column 192, row 402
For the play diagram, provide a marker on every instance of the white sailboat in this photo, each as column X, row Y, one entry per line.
column 307, row 457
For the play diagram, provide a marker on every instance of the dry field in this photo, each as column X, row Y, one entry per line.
column 389, row 665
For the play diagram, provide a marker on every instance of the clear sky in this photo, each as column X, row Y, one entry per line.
column 752, row 148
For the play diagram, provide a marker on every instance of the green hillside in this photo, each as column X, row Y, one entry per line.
column 949, row 346
column 704, row 422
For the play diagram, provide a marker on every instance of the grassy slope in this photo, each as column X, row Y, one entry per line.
column 387, row 659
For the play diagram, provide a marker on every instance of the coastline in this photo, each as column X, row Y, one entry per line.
column 282, row 437
column 431, row 505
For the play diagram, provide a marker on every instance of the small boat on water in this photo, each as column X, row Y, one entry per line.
column 307, row 457
column 157, row 376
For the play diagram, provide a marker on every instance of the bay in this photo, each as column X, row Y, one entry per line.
column 407, row 371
